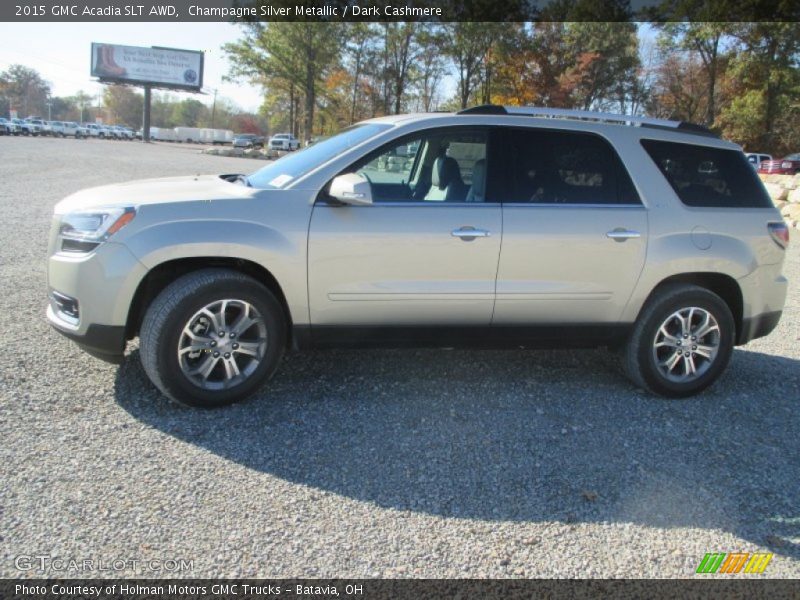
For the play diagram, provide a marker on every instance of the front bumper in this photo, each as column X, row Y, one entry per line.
column 106, row 342
column 102, row 285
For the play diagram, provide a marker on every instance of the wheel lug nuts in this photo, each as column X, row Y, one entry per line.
column 694, row 347
column 213, row 343
column 686, row 354
column 235, row 346
column 233, row 335
column 221, row 334
column 216, row 354
column 227, row 355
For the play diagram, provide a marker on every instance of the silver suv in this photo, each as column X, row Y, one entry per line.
column 490, row 227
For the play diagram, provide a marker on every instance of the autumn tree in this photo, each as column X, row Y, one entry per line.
column 604, row 58
column 706, row 42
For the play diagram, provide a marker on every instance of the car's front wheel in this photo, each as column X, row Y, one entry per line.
column 212, row 338
column 681, row 342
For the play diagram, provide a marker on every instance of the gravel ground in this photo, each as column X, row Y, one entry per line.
column 365, row 464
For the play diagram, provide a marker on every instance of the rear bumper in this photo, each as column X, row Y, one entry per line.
column 758, row 326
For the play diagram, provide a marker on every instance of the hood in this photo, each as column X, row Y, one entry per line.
column 155, row 191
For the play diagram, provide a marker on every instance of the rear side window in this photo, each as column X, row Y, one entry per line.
column 545, row 166
column 708, row 177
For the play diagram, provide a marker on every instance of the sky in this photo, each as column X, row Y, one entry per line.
column 60, row 52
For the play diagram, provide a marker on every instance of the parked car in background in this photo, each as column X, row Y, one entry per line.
column 57, row 128
column 92, row 130
column 122, row 133
column 107, row 132
column 8, row 127
column 656, row 240
column 248, row 140
column 75, row 129
column 284, row 141
column 756, row 159
column 27, row 128
column 42, row 125
column 788, row 165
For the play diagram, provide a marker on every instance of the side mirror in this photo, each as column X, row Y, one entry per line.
column 352, row 189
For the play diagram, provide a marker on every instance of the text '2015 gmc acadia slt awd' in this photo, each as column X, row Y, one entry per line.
column 493, row 226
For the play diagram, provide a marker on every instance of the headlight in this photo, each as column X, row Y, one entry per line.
column 786, row 165
column 83, row 231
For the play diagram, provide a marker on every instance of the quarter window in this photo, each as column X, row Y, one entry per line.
column 708, row 177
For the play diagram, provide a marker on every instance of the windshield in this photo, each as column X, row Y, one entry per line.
column 285, row 170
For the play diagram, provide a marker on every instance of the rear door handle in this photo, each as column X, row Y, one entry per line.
column 620, row 235
column 469, row 233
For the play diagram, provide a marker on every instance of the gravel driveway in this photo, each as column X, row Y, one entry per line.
column 430, row 463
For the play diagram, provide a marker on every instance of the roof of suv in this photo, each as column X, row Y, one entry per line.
column 571, row 119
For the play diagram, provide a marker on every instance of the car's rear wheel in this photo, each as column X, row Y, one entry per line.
column 212, row 338
column 681, row 342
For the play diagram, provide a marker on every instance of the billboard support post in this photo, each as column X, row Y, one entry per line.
column 146, row 115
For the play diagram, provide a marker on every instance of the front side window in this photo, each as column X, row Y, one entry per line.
column 440, row 165
column 292, row 166
column 544, row 166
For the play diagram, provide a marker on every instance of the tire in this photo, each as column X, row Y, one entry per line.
column 175, row 310
column 640, row 356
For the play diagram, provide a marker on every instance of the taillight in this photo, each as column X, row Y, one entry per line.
column 779, row 232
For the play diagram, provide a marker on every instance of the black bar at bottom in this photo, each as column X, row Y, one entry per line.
column 737, row 586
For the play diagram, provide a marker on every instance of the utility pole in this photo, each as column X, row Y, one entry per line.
column 214, row 108
column 49, row 110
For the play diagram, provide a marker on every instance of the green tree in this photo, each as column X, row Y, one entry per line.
column 467, row 45
column 296, row 55
column 400, row 51
column 359, row 41
column 24, row 90
column 766, row 61
column 189, row 113
column 124, row 104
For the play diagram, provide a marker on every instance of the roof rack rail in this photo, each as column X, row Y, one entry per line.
column 587, row 115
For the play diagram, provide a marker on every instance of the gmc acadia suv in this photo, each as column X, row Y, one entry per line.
column 501, row 227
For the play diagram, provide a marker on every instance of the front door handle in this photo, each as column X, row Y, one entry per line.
column 468, row 233
column 620, row 235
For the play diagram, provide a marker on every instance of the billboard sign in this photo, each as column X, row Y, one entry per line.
column 159, row 67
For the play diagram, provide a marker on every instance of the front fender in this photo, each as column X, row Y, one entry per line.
column 282, row 254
